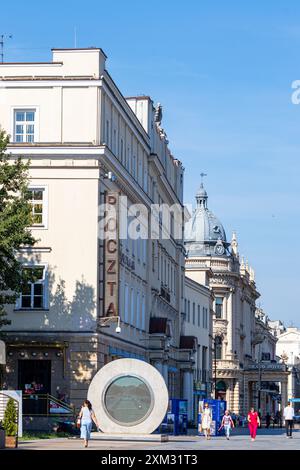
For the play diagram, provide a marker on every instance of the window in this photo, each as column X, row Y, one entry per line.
column 265, row 356
column 194, row 313
column 133, row 169
column 145, row 185
column 24, row 125
column 219, row 307
column 218, row 348
column 138, row 248
column 115, row 141
column 127, row 159
column 153, row 257
column 174, row 281
column 132, row 319
column 138, row 313
column 121, row 151
column 204, row 364
column 126, row 313
column 199, row 315
column 107, row 133
column 34, row 293
column 205, row 318
column 37, row 198
column 121, row 294
column 189, row 311
column 143, row 313
column 144, row 242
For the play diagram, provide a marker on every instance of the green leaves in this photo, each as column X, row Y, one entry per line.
column 15, row 218
column 10, row 421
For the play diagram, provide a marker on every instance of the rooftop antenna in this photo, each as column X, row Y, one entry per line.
column 3, row 38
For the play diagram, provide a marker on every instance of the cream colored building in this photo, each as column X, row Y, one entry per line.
column 88, row 144
column 215, row 262
column 288, row 349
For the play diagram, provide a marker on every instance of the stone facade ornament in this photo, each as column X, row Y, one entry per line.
column 158, row 114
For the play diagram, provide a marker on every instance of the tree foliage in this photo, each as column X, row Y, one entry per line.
column 10, row 421
column 15, row 218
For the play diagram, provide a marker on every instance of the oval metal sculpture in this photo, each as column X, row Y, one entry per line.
column 129, row 396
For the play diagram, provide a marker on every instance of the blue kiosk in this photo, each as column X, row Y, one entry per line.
column 218, row 408
column 176, row 420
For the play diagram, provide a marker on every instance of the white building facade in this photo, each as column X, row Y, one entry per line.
column 288, row 349
column 88, row 145
column 215, row 262
column 197, row 331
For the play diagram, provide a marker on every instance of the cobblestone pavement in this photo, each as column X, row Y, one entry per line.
column 272, row 439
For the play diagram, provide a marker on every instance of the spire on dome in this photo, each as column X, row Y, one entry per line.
column 201, row 196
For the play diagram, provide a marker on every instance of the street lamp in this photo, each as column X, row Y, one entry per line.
column 259, row 382
column 104, row 322
column 259, row 340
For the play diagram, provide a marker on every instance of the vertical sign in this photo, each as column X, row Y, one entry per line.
column 111, row 254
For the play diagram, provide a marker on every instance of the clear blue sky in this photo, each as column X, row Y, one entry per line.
column 223, row 72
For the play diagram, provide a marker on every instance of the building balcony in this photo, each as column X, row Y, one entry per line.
column 165, row 293
column 227, row 364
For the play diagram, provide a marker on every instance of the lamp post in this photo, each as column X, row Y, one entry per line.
column 259, row 340
column 259, row 380
column 104, row 322
column 215, row 366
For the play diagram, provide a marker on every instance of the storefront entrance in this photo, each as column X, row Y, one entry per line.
column 34, row 379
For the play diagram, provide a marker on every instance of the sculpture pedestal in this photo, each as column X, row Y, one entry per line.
column 103, row 436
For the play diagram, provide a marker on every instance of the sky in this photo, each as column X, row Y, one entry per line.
column 223, row 72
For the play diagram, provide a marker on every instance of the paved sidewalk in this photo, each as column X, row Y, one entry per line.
column 266, row 440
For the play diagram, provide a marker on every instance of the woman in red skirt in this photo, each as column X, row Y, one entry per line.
column 253, row 423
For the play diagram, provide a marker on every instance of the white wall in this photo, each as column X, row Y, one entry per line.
column 69, row 248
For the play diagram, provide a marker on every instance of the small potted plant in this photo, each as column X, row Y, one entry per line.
column 10, row 424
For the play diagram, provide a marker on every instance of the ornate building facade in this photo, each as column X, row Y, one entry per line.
column 288, row 349
column 215, row 262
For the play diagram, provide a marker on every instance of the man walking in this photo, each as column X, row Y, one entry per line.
column 288, row 414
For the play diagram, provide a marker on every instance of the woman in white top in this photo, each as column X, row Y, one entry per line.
column 87, row 416
column 206, row 421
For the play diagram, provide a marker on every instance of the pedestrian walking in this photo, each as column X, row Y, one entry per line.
column 86, row 416
column 227, row 423
column 288, row 414
column 206, row 421
column 253, row 423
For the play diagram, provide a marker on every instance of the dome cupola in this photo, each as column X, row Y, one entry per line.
column 204, row 233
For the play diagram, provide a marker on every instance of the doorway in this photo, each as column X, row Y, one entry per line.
column 34, row 379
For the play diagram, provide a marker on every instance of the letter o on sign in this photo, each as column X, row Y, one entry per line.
column 129, row 396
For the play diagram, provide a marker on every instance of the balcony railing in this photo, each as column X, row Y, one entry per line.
column 45, row 405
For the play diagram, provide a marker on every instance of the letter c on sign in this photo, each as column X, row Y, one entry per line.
column 111, row 246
